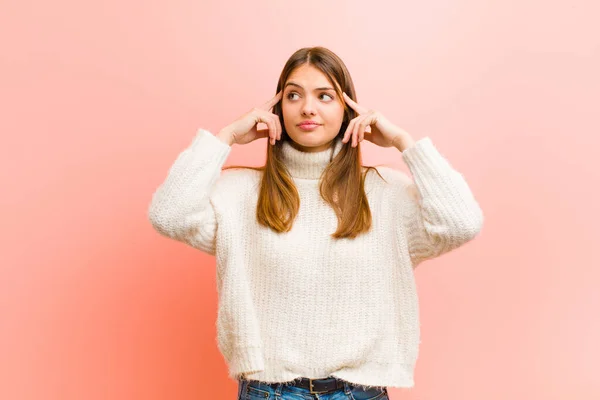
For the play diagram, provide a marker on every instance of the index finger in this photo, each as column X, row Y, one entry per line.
column 353, row 104
column 269, row 104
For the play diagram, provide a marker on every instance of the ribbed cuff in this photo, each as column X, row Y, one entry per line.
column 422, row 153
column 206, row 145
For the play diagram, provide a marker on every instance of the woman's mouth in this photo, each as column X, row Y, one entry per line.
column 308, row 127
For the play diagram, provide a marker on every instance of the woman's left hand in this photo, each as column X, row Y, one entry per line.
column 382, row 132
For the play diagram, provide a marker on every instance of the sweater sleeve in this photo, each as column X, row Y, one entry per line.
column 441, row 213
column 181, row 208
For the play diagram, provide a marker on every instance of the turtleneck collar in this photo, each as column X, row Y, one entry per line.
column 308, row 165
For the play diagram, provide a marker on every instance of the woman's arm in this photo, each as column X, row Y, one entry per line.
column 181, row 208
column 441, row 213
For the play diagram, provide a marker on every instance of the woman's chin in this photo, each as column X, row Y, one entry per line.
column 311, row 143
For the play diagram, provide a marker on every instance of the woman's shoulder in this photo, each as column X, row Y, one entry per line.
column 386, row 175
column 237, row 181
column 396, row 184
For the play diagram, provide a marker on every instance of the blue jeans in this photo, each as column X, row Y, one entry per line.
column 254, row 390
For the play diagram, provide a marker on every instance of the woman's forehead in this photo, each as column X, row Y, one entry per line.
column 308, row 77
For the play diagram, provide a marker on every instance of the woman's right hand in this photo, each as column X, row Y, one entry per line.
column 244, row 130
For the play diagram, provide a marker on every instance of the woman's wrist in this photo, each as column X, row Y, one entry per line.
column 225, row 136
column 403, row 141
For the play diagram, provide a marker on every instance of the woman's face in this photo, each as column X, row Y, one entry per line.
column 309, row 96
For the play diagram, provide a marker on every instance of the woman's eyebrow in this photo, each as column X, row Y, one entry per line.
column 295, row 84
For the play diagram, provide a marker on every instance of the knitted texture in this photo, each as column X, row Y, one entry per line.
column 301, row 303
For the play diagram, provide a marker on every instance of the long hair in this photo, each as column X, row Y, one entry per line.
column 342, row 181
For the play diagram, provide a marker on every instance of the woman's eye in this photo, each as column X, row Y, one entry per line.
column 322, row 94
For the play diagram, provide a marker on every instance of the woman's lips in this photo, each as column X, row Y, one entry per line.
column 308, row 127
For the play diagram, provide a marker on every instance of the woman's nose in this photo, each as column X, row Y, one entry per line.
column 308, row 108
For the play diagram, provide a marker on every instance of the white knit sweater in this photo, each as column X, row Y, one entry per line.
column 302, row 304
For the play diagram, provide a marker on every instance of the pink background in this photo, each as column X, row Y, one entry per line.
column 97, row 99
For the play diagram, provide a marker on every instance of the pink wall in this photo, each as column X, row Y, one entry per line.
column 98, row 98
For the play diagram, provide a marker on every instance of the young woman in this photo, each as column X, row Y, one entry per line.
column 315, row 252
